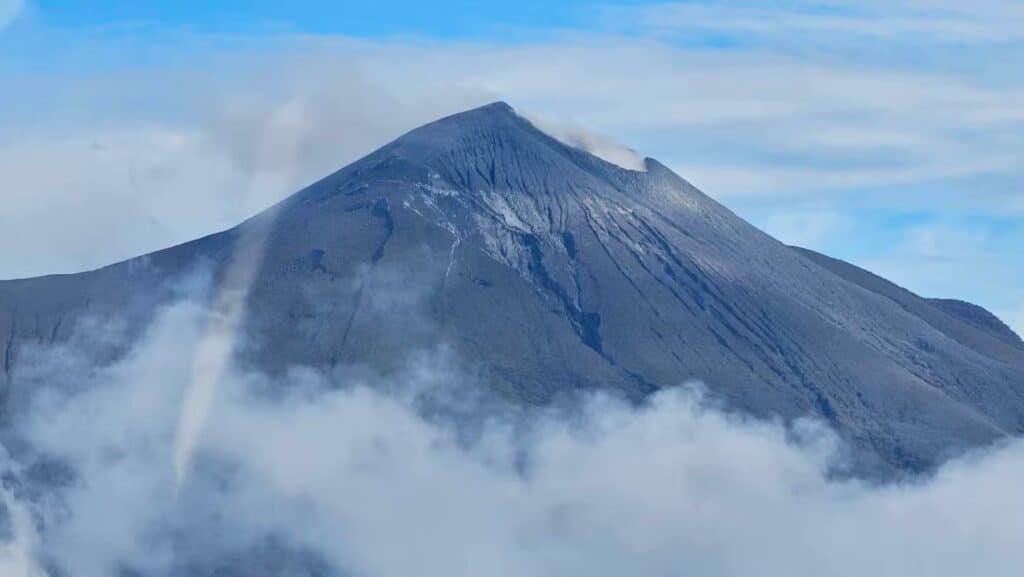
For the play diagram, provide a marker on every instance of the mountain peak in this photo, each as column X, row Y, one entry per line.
column 498, row 107
column 484, row 123
column 549, row 271
column 494, row 116
column 494, row 151
column 497, row 129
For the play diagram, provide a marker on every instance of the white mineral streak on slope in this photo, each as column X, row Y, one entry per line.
column 217, row 344
column 451, row 251
column 601, row 213
column 600, row 146
column 497, row 203
column 428, row 192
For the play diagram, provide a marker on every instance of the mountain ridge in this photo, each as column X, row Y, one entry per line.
column 963, row 312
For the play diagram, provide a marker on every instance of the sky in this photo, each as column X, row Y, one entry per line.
column 885, row 133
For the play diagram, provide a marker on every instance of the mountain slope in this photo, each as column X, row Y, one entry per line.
column 547, row 271
column 980, row 318
column 968, row 324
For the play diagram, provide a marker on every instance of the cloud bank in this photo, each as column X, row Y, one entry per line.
column 317, row 474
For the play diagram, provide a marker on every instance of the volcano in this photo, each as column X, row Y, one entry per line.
column 549, row 271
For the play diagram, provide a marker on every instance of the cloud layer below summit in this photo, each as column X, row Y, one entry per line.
column 349, row 474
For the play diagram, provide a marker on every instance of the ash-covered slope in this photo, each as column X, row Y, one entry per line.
column 548, row 270
column 963, row 322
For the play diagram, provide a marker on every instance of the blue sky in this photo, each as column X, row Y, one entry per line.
column 886, row 133
column 351, row 17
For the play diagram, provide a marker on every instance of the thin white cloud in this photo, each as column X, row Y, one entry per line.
column 737, row 125
column 125, row 187
column 806, row 227
column 746, row 123
column 939, row 259
column 942, row 20
column 1015, row 318
column 9, row 11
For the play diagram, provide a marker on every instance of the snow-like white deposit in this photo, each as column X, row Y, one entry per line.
column 576, row 136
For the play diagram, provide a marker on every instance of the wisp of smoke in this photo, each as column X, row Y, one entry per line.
column 314, row 474
column 214, row 349
column 600, row 146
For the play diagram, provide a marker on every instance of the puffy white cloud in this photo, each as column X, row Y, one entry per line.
column 18, row 552
column 340, row 474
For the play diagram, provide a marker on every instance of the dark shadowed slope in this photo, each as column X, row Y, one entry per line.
column 548, row 270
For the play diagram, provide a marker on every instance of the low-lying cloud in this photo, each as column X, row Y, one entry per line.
column 331, row 474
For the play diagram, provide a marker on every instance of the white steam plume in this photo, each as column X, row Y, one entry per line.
column 603, row 147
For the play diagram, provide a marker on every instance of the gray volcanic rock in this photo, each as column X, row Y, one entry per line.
column 547, row 271
column 966, row 323
column 980, row 318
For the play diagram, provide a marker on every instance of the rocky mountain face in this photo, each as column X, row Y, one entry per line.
column 546, row 271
